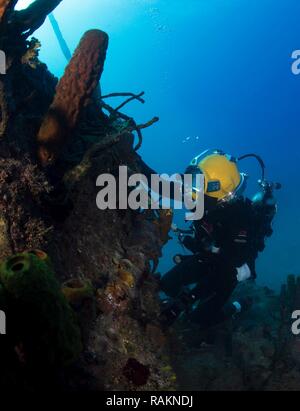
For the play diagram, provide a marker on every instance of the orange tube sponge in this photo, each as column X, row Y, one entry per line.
column 73, row 93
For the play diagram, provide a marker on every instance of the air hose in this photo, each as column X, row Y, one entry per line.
column 260, row 161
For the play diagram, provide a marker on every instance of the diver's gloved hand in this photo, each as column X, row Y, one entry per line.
column 237, row 307
column 244, row 304
column 243, row 273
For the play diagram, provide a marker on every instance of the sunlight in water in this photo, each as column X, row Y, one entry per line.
column 22, row 4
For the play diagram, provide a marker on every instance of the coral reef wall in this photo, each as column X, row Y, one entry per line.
column 95, row 267
column 55, row 141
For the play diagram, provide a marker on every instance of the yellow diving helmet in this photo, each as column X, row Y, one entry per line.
column 223, row 180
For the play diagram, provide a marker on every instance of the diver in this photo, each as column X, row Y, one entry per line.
column 224, row 245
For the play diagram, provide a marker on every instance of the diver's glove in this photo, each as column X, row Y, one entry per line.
column 238, row 307
column 243, row 273
column 243, row 305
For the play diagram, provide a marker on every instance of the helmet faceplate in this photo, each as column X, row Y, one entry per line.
column 223, row 180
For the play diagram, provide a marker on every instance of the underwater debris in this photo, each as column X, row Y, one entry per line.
column 73, row 93
column 42, row 320
column 135, row 372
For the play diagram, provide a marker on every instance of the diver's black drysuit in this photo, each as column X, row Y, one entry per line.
column 229, row 236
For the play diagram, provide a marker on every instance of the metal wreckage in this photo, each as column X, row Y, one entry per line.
column 76, row 284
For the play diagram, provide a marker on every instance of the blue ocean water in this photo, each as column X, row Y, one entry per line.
column 218, row 74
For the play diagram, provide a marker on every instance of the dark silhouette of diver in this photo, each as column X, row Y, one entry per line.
column 224, row 244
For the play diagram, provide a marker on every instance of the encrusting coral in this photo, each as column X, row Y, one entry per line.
column 23, row 227
column 73, row 93
column 117, row 294
column 31, row 57
column 164, row 223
